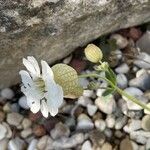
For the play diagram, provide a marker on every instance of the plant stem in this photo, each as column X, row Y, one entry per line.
column 121, row 92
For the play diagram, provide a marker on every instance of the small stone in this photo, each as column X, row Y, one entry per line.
column 86, row 145
column 2, row 116
column 126, row 144
column 100, row 92
column 49, row 144
column 110, row 121
column 147, row 144
column 15, row 108
column 132, row 125
column 141, row 82
column 14, row 119
column 146, row 123
column 60, row 130
column 134, row 145
column 119, row 134
column 16, row 144
column 88, row 93
column 23, row 102
column 106, row 146
column 39, row 130
column 4, row 144
column 9, row 132
column 67, row 59
column 84, row 123
column 3, row 131
column 91, row 109
column 120, row 122
column 122, row 69
column 107, row 106
column 108, row 132
column 122, row 81
column 41, row 145
column 84, row 101
column 121, row 41
column 32, row 145
column 7, row 93
column 26, row 123
column 100, row 124
column 143, row 61
column 26, row 132
column 7, row 108
column 135, row 33
column 147, row 111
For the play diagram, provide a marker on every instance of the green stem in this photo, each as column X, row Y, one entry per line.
column 121, row 92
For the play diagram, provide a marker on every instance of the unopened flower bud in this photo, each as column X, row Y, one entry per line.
column 93, row 53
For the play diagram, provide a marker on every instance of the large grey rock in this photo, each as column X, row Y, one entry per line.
column 51, row 29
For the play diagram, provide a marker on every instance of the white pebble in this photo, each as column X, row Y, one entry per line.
column 100, row 124
column 86, row 145
column 88, row 93
column 32, row 145
column 23, row 102
column 7, row 93
column 110, row 121
column 122, row 81
column 91, row 109
column 3, row 131
column 123, row 68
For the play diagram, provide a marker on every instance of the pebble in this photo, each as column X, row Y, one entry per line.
column 106, row 146
column 49, row 144
column 26, row 132
column 107, row 106
column 134, row 145
column 26, row 123
column 88, row 93
column 39, row 130
column 84, row 101
column 146, row 111
column 142, row 82
column 65, row 143
column 121, row 41
column 9, row 132
column 133, row 91
column 3, row 131
column 2, row 116
column 41, row 145
column 146, row 123
column 100, row 124
column 108, row 132
column 143, row 61
column 122, row 81
column 14, row 119
column 126, row 144
column 122, row 69
column 147, row 144
column 67, row 59
column 7, row 107
column 4, row 144
column 84, row 122
column 7, row 93
column 15, row 107
column 132, row 125
column 23, row 102
column 86, row 145
column 110, row 121
column 91, row 109
column 32, row 145
column 16, row 144
column 99, row 92
column 120, row 122
column 60, row 130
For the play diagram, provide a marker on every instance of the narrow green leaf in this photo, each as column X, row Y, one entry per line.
column 108, row 92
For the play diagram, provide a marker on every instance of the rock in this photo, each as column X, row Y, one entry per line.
column 23, row 102
column 135, row 33
column 2, row 116
column 126, row 144
column 16, row 144
column 121, row 41
column 132, row 125
column 143, row 42
column 84, row 101
column 32, row 145
column 136, row 93
column 67, row 59
column 3, row 131
column 110, row 121
column 84, row 123
column 59, row 131
column 108, row 132
column 146, row 123
column 100, row 124
column 147, row 144
column 7, row 108
column 70, row 122
column 122, row 81
column 107, row 106
column 119, row 134
column 41, row 145
column 65, row 143
column 15, row 107
column 46, row 33
column 91, row 109
column 123, row 68
column 146, row 111
column 9, row 132
column 39, row 130
column 86, row 146
column 141, row 82
column 143, row 61
column 120, row 122
column 7, row 93
column 99, row 92
column 106, row 146
column 14, row 119
column 26, row 123
column 4, row 144
column 88, row 93
column 49, row 144
column 26, row 132
column 134, row 145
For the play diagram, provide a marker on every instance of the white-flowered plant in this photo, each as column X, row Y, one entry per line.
column 40, row 88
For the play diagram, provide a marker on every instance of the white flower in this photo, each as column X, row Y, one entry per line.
column 41, row 90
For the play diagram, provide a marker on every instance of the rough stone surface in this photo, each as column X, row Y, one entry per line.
column 51, row 29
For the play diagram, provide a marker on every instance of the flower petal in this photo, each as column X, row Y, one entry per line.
column 34, row 62
column 46, row 70
column 53, row 111
column 34, row 106
column 44, row 109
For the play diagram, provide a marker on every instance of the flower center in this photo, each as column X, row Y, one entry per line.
column 40, row 84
